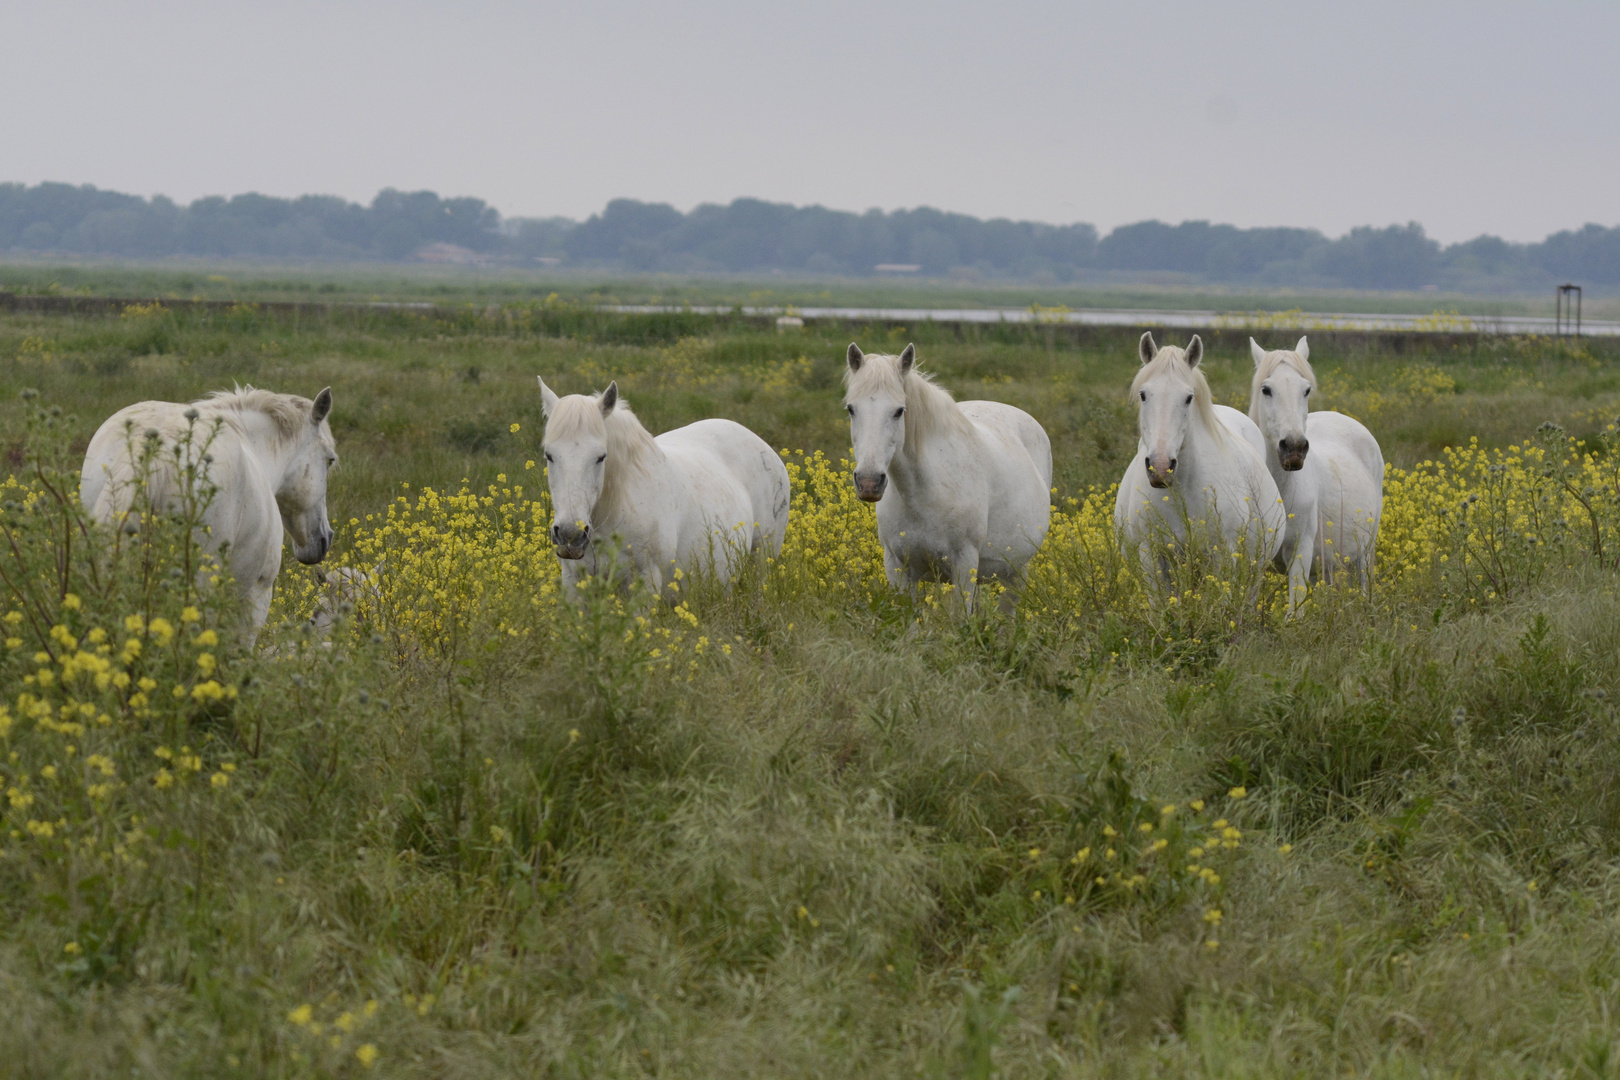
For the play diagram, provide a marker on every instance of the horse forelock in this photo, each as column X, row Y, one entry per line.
column 930, row 408
column 1173, row 360
column 1282, row 358
column 574, row 415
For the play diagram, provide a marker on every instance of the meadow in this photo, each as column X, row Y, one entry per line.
column 804, row 827
column 336, row 282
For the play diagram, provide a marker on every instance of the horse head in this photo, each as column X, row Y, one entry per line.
column 876, row 404
column 1165, row 388
column 301, row 495
column 576, row 452
column 1279, row 401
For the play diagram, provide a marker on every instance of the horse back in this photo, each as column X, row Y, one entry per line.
column 106, row 478
column 1352, row 465
column 728, row 472
column 1350, row 434
column 243, row 511
column 1010, row 425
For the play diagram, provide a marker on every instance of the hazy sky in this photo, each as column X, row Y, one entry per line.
column 1466, row 117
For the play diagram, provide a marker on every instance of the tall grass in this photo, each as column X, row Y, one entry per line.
column 801, row 826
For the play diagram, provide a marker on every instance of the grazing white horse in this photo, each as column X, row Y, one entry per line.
column 963, row 489
column 266, row 455
column 1196, row 463
column 697, row 497
column 1328, row 469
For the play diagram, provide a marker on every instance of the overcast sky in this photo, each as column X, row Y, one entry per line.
column 1466, row 117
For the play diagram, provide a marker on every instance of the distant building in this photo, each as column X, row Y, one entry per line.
column 450, row 254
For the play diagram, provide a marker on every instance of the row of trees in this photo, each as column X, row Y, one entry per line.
column 751, row 235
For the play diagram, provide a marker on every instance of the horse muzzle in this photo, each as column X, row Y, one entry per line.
column 871, row 488
column 316, row 551
column 570, row 541
column 1291, row 453
column 1162, row 474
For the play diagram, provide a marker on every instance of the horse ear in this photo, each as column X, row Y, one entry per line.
column 908, row 357
column 323, row 406
column 1257, row 352
column 1304, row 349
column 854, row 357
column 1195, row 351
column 1146, row 349
column 610, row 397
column 548, row 399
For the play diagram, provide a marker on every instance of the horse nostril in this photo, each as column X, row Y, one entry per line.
column 1172, row 464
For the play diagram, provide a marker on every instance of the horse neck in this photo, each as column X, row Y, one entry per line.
column 910, row 467
column 257, row 436
column 626, row 486
column 1205, row 451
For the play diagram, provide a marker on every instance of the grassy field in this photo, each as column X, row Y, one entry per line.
column 363, row 282
column 807, row 827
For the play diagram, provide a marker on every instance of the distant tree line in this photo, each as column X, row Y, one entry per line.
column 751, row 235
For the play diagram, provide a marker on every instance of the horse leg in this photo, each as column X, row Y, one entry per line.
column 572, row 571
column 1155, row 571
column 258, row 599
column 1299, row 577
column 896, row 571
column 653, row 574
column 965, row 573
column 1299, row 566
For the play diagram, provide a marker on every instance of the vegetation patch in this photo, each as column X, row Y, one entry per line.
column 457, row 824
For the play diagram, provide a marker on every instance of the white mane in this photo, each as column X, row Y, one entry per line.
column 930, row 409
column 630, row 447
column 288, row 412
column 1174, row 358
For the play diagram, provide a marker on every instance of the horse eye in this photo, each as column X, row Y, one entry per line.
column 1144, row 395
column 901, row 411
column 1307, row 391
column 601, row 459
column 850, row 409
column 1266, row 390
column 1188, row 401
column 548, row 457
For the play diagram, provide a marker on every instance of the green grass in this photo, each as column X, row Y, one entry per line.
column 363, row 282
column 639, row 912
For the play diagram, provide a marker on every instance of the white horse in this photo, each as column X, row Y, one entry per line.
column 971, row 480
column 1205, row 455
column 1328, row 469
column 699, row 496
column 265, row 456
